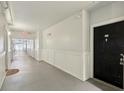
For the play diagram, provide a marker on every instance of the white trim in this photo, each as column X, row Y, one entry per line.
column 114, row 20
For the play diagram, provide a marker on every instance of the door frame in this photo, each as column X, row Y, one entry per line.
column 113, row 20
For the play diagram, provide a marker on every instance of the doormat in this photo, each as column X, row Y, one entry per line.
column 11, row 71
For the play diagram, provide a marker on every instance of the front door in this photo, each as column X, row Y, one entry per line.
column 109, row 53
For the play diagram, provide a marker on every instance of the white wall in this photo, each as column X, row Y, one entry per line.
column 86, row 44
column 30, row 47
column 62, row 45
column 3, row 52
column 106, row 14
column 9, row 50
column 2, row 68
column 37, row 45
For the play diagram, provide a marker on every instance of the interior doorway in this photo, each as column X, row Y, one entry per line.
column 109, row 53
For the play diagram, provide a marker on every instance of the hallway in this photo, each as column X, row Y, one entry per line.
column 59, row 40
column 35, row 76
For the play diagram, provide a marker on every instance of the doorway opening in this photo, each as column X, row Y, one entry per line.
column 108, row 53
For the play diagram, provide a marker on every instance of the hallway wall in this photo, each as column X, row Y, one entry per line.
column 9, row 50
column 2, row 47
column 2, row 68
column 37, row 46
column 107, row 12
column 62, row 46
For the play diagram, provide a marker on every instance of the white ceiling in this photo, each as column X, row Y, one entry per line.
column 32, row 15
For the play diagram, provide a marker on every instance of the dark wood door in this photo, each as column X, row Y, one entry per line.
column 109, row 53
